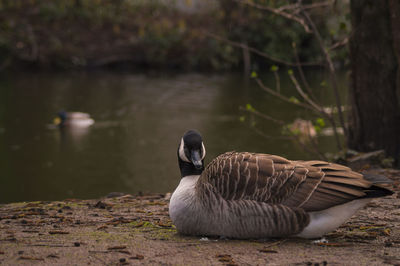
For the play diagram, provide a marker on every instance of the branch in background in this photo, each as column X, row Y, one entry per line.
column 258, row 52
column 302, row 76
column 284, row 98
column 339, row 44
column 278, row 12
column 266, row 117
column 300, row 7
column 331, row 71
column 318, row 108
column 310, row 105
column 277, row 81
column 294, row 138
column 311, row 140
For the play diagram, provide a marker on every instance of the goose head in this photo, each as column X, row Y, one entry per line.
column 191, row 153
column 60, row 119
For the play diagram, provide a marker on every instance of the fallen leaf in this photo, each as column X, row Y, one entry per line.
column 162, row 224
column 102, row 227
column 386, row 231
column 268, row 251
column 29, row 258
column 139, row 224
column 224, row 258
column 116, row 247
column 137, row 257
column 58, row 232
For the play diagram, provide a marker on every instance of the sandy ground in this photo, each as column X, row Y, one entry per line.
column 136, row 230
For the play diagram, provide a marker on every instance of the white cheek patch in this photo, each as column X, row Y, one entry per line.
column 182, row 154
column 203, row 150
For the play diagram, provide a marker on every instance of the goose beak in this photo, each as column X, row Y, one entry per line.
column 196, row 159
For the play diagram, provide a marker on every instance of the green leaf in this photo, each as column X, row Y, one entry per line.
column 249, row 107
column 323, row 83
column 317, row 129
column 242, row 118
column 320, row 122
column 253, row 75
column 343, row 26
column 290, row 72
column 294, row 99
column 274, row 68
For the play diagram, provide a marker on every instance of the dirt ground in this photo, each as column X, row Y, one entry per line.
column 136, row 230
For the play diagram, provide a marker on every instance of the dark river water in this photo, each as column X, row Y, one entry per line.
column 139, row 120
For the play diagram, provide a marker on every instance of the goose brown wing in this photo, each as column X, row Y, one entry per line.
column 311, row 185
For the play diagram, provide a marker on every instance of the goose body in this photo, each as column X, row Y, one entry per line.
column 253, row 195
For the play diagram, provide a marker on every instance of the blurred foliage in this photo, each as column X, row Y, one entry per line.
column 85, row 33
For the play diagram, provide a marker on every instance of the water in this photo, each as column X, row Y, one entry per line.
column 139, row 122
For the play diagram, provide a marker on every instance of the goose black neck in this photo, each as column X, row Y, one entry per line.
column 188, row 168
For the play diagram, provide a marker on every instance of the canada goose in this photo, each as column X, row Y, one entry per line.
column 73, row 119
column 253, row 195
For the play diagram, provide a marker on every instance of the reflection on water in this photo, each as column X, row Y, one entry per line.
column 139, row 122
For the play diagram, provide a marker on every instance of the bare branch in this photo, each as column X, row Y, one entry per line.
column 284, row 98
column 319, row 108
column 339, row 44
column 264, row 116
column 258, row 52
column 277, row 81
column 305, row 96
column 277, row 12
column 331, row 71
column 302, row 76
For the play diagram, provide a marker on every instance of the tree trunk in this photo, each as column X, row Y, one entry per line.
column 375, row 115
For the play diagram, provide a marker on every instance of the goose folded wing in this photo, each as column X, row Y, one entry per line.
column 311, row 185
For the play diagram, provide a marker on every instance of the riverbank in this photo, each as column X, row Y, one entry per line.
column 130, row 230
